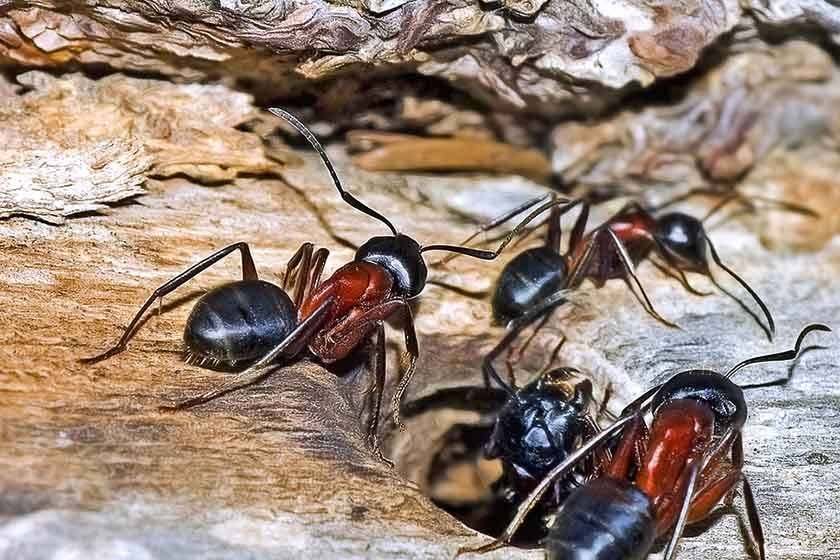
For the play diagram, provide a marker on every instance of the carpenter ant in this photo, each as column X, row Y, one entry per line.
column 538, row 278
column 529, row 429
column 539, row 425
column 690, row 459
column 255, row 322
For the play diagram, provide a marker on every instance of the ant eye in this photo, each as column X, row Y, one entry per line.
column 684, row 238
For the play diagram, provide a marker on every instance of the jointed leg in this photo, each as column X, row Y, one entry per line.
column 579, row 228
column 552, row 358
column 249, row 272
column 412, row 354
column 678, row 274
column 756, row 532
column 378, row 368
column 297, row 272
column 631, row 271
column 691, row 475
column 319, row 260
column 340, row 340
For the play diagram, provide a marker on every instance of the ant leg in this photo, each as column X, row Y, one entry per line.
column 579, row 228
column 524, row 346
column 292, row 273
column 249, row 272
column 412, row 354
column 515, row 328
column 756, row 532
column 378, row 368
column 679, row 275
column 554, row 353
column 349, row 333
column 600, row 460
column 602, row 410
column 302, row 270
column 290, row 346
column 626, row 450
column 487, row 368
column 692, row 474
column 319, row 260
column 631, row 271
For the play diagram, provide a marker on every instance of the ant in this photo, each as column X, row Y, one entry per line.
column 255, row 322
column 532, row 428
column 539, row 278
column 658, row 479
column 539, row 425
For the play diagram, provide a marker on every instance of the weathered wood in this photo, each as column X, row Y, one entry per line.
column 281, row 470
column 90, row 468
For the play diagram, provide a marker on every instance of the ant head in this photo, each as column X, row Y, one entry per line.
column 400, row 255
column 724, row 397
column 684, row 239
column 537, row 428
column 567, row 382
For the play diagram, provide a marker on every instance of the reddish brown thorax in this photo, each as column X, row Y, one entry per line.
column 633, row 226
column 358, row 284
column 682, row 429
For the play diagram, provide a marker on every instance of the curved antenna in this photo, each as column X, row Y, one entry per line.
column 345, row 196
column 490, row 255
column 764, row 309
column 780, row 356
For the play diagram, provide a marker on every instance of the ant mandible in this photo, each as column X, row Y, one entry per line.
column 256, row 322
column 685, row 464
column 538, row 279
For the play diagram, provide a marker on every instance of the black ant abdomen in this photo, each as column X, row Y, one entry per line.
column 605, row 504
column 527, row 280
column 238, row 322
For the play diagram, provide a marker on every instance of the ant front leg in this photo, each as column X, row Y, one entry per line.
column 630, row 270
column 756, row 532
column 339, row 341
column 249, row 272
column 377, row 366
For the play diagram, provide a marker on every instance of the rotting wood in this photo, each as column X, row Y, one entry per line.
column 281, row 470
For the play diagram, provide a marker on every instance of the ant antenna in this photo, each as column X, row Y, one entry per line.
column 345, row 196
column 490, row 255
column 780, row 356
column 716, row 258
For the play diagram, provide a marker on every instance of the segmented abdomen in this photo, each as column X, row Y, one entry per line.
column 605, row 519
column 241, row 321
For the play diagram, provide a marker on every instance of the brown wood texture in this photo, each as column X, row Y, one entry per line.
column 281, row 470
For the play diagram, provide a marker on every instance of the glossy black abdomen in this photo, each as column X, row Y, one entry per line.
column 606, row 519
column 240, row 321
column 529, row 278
